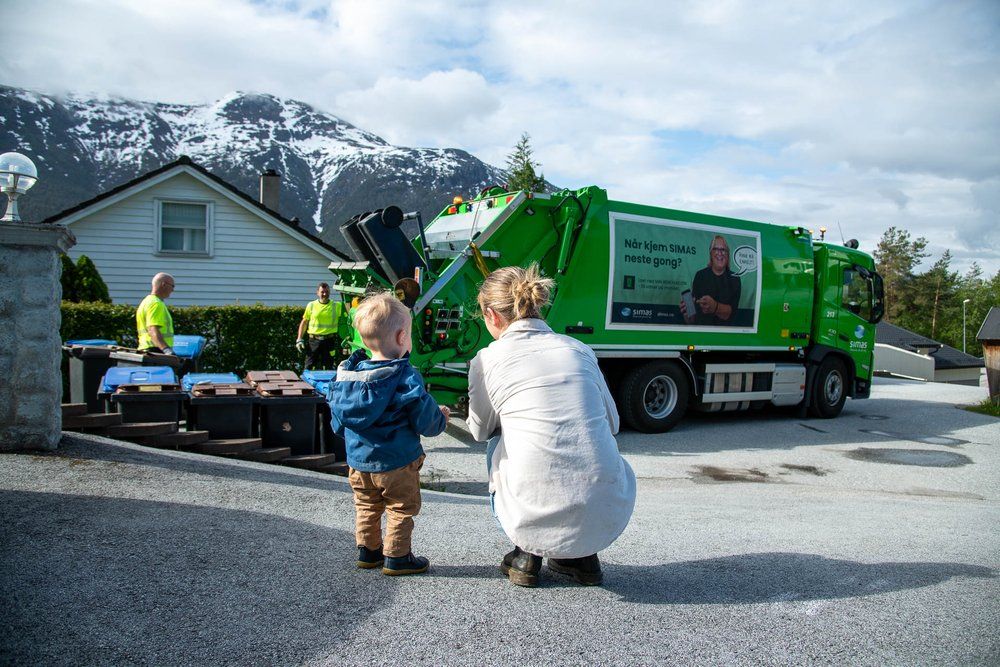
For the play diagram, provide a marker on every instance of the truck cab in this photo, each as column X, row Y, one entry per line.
column 849, row 301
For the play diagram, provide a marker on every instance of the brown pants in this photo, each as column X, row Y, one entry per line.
column 397, row 494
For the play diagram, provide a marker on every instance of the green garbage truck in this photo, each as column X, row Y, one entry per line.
column 683, row 310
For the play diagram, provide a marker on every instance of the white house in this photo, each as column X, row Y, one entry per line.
column 221, row 245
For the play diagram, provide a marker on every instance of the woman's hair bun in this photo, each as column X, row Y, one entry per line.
column 516, row 293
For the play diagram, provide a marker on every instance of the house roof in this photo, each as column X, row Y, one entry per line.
column 945, row 356
column 183, row 163
column 991, row 325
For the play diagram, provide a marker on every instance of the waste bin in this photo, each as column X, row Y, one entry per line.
column 330, row 442
column 220, row 404
column 142, row 395
column 130, row 357
column 288, row 411
column 189, row 349
column 89, row 360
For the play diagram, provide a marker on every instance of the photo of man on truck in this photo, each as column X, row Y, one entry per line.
column 715, row 291
column 679, row 275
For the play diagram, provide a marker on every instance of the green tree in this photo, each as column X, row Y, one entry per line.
column 895, row 258
column 90, row 284
column 520, row 172
column 82, row 282
column 68, row 279
column 928, row 300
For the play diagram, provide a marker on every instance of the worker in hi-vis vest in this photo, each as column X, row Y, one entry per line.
column 153, row 322
column 318, row 330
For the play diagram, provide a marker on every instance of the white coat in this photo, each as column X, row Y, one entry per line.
column 560, row 488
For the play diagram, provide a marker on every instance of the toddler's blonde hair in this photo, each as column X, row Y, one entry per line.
column 516, row 293
column 378, row 318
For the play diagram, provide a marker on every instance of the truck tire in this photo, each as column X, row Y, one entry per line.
column 654, row 396
column 829, row 389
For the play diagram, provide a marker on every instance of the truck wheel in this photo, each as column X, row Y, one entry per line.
column 654, row 396
column 829, row 389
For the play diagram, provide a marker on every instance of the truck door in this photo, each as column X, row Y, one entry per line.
column 856, row 326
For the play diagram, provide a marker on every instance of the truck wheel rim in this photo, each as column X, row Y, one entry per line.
column 833, row 388
column 660, row 397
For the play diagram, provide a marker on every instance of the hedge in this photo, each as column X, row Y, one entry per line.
column 239, row 338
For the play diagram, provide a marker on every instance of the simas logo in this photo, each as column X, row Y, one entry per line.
column 626, row 312
column 859, row 331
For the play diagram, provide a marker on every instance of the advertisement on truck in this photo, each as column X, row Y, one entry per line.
column 669, row 275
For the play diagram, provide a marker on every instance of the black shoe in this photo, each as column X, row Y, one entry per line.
column 586, row 570
column 369, row 559
column 521, row 567
column 408, row 564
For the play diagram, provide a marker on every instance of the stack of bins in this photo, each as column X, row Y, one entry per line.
column 288, row 411
column 220, row 404
column 144, row 394
column 189, row 349
column 330, row 441
column 89, row 360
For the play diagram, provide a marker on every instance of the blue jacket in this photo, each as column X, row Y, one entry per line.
column 381, row 408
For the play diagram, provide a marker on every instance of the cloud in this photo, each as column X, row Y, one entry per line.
column 869, row 114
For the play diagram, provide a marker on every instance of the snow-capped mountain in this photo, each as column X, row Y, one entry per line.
column 330, row 169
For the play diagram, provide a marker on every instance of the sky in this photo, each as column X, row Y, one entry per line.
column 854, row 116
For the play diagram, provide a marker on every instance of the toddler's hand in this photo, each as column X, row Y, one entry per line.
column 446, row 411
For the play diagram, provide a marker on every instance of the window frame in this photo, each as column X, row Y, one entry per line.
column 209, row 205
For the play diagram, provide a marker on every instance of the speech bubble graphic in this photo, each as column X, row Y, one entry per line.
column 745, row 259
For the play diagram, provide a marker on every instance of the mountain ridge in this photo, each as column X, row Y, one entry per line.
column 331, row 169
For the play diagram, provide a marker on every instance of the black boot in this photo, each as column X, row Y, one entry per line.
column 521, row 567
column 586, row 570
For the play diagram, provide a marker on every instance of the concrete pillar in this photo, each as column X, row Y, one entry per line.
column 30, row 295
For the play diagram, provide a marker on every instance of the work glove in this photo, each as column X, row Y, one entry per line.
column 168, row 350
column 300, row 345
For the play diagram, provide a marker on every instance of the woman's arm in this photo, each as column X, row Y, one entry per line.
column 483, row 420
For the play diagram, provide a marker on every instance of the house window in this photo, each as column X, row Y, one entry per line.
column 184, row 227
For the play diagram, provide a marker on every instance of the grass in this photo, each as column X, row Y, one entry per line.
column 987, row 407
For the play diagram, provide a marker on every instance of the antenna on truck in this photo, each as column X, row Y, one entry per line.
column 842, row 239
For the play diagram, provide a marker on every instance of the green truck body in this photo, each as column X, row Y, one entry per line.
column 788, row 320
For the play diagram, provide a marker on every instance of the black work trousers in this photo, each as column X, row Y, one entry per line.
column 321, row 353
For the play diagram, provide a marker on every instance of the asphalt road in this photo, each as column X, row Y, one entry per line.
column 762, row 538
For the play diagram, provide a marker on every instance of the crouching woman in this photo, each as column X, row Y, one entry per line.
column 559, row 487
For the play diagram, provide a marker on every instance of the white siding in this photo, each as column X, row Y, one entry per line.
column 253, row 261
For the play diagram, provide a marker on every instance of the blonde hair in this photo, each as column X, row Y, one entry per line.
column 516, row 293
column 378, row 317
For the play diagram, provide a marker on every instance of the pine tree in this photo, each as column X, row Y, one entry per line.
column 90, row 285
column 520, row 172
column 68, row 279
column 895, row 258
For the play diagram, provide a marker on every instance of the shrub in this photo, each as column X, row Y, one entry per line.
column 82, row 281
column 239, row 338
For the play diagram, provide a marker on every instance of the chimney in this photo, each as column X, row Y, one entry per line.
column 270, row 189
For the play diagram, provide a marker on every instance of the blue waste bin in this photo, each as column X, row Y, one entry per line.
column 153, row 394
column 189, row 348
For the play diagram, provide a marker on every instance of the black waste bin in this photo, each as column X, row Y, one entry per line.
column 147, row 394
column 330, row 442
column 220, row 404
column 89, row 360
column 290, row 421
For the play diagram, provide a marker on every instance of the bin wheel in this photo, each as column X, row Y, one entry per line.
column 654, row 396
column 829, row 389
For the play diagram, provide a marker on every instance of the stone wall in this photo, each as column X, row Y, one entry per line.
column 30, row 295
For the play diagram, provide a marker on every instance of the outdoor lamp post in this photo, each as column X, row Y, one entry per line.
column 963, row 323
column 17, row 175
